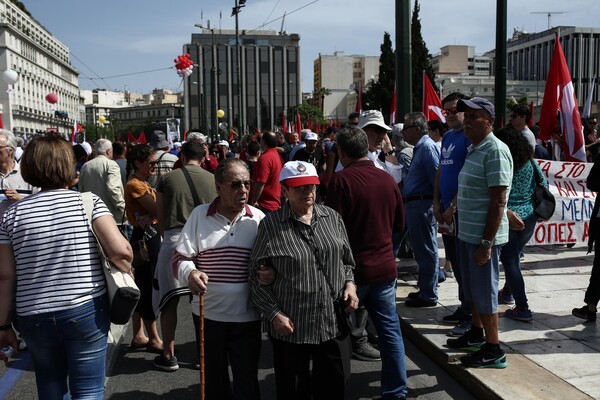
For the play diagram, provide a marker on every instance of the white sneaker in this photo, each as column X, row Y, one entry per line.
column 22, row 344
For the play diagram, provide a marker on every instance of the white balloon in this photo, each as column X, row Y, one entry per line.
column 10, row 76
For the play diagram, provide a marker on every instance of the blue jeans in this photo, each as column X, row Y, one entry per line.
column 509, row 257
column 69, row 344
column 422, row 228
column 380, row 302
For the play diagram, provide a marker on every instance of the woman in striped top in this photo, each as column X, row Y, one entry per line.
column 48, row 249
column 307, row 246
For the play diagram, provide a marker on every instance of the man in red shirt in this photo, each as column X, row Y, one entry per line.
column 266, row 190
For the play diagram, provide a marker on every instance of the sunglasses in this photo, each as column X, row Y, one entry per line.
column 452, row 110
column 407, row 127
column 237, row 185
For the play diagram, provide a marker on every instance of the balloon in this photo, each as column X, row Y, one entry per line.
column 52, row 98
column 10, row 76
column 102, row 119
column 220, row 113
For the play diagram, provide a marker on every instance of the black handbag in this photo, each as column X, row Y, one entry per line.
column 544, row 202
column 343, row 318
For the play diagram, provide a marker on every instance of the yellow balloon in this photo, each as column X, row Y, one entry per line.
column 220, row 113
column 102, row 119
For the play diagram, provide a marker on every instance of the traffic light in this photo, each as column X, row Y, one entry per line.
column 236, row 10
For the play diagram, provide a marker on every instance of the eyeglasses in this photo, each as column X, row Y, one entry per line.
column 407, row 127
column 451, row 110
column 237, row 185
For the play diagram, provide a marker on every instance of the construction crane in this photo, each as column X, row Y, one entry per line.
column 549, row 14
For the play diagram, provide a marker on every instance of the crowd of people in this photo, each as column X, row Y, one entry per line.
column 299, row 230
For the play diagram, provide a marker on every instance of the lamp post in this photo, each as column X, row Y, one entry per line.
column 214, row 131
column 239, row 4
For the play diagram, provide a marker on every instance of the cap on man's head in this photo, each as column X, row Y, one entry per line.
column 310, row 135
column 397, row 129
column 224, row 143
column 476, row 103
column 87, row 147
column 159, row 140
column 372, row 117
column 298, row 173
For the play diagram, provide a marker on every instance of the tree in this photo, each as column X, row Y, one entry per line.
column 379, row 94
column 320, row 96
column 421, row 59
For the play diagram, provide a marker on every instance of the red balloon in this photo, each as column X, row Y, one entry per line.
column 52, row 98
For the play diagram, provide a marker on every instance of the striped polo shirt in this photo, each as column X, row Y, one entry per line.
column 487, row 165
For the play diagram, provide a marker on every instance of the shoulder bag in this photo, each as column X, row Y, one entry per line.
column 543, row 200
column 123, row 293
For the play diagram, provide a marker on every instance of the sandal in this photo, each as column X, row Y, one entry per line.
column 137, row 346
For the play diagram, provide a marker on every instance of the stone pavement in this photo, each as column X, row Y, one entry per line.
column 554, row 356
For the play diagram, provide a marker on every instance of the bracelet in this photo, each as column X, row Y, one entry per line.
column 6, row 327
column 390, row 153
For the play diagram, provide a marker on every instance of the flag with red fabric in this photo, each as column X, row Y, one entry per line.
column 1, row 123
column 432, row 105
column 142, row 138
column 559, row 96
column 310, row 124
column 298, row 122
column 130, row 137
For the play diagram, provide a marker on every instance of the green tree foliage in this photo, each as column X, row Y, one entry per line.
column 421, row 59
column 378, row 95
column 306, row 110
column 319, row 97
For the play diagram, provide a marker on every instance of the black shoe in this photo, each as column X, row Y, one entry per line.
column 466, row 342
column 456, row 317
column 488, row 357
column 584, row 313
column 419, row 303
column 413, row 295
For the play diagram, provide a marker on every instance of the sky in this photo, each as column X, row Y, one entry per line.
column 113, row 43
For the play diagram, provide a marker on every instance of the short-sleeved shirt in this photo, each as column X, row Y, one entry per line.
column 13, row 180
column 267, row 171
column 135, row 189
column 489, row 164
column 452, row 159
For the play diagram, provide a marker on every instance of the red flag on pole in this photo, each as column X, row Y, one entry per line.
column 432, row 105
column 142, row 138
column 559, row 95
column 310, row 125
column 1, row 123
column 393, row 108
column 358, row 107
column 318, row 127
column 298, row 122
column 130, row 137
column 284, row 123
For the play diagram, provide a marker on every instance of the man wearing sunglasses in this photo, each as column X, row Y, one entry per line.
column 452, row 159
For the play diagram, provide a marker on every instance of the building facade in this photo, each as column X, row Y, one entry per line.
column 344, row 76
column 270, row 82
column 529, row 56
column 460, row 60
column 43, row 65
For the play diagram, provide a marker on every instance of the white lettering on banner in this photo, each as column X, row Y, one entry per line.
column 574, row 203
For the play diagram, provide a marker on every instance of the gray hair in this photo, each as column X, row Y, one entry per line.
column 419, row 120
column 353, row 141
column 102, row 146
column 226, row 165
column 196, row 136
column 11, row 140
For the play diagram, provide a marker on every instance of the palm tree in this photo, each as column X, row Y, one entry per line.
column 320, row 94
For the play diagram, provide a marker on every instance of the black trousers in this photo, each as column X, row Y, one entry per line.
column 230, row 343
column 330, row 369
column 592, row 294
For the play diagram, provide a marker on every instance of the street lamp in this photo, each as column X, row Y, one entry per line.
column 213, row 76
column 239, row 4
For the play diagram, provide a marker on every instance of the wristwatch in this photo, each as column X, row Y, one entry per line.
column 390, row 153
column 486, row 243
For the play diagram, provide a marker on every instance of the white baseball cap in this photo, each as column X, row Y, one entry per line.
column 299, row 173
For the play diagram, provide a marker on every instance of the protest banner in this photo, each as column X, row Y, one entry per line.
column 574, row 203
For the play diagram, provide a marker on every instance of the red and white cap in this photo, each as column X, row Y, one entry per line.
column 298, row 173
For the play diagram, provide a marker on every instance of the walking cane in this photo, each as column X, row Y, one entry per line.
column 201, row 340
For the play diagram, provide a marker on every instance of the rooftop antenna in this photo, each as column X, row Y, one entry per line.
column 549, row 14
column 282, row 21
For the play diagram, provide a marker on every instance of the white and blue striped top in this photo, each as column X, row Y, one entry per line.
column 56, row 255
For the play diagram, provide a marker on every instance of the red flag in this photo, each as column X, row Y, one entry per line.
column 142, row 138
column 531, row 119
column 432, row 105
column 393, row 108
column 337, row 123
column 1, row 123
column 559, row 96
column 130, row 137
column 318, row 127
column 358, row 107
column 283, row 123
column 310, row 123
column 298, row 122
